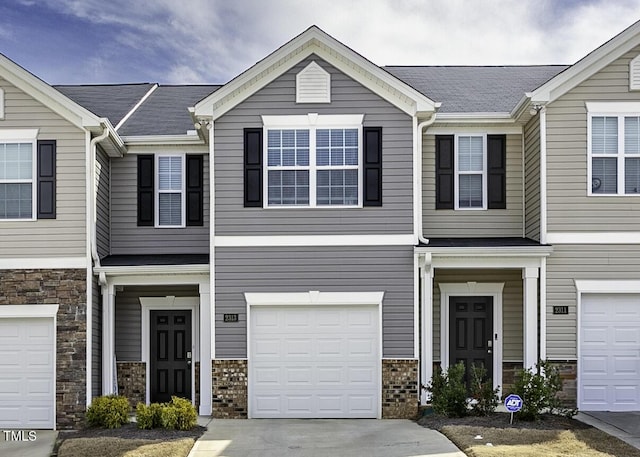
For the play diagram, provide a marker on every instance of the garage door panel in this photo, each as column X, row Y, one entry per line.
column 609, row 375
column 319, row 363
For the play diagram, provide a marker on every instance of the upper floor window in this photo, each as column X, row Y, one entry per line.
column 170, row 196
column 314, row 163
column 614, row 154
column 470, row 171
column 16, row 180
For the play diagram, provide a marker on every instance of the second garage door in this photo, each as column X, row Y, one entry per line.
column 609, row 378
column 314, row 362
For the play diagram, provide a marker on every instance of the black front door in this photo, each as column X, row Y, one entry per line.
column 170, row 352
column 471, row 332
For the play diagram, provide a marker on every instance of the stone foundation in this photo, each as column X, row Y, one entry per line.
column 229, row 389
column 68, row 289
column 399, row 389
column 132, row 381
column 509, row 372
column 568, row 375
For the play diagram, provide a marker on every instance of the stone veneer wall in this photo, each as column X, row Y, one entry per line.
column 229, row 389
column 399, row 389
column 68, row 289
column 132, row 381
column 509, row 372
column 568, row 375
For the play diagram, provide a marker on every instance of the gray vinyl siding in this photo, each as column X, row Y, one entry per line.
column 569, row 208
column 64, row 236
column 126, row 236
column 96, row 338
column 472, row 223
column 301, row 269
column 129, row 316
column 588, row 262
column 102, row 203
column 532, row 178
column 347, row 97
column 512, row 317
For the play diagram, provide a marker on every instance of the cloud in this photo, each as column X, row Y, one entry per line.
column 211, row 41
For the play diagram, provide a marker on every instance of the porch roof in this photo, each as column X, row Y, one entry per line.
column 495, row 242
column 154, row 259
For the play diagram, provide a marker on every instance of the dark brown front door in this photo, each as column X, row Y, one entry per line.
column 170, row 350
column 471, row 332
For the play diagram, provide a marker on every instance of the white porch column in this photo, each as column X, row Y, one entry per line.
column 426, row 356
column 530, row 314
column 205, row 350
column 109, row 383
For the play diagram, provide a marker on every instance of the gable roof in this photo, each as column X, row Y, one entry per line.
column 314, row 41
column 165, row 111
column 113, row 101
column 463, row 89
column 588, row 65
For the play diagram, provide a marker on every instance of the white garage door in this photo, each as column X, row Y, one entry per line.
column 609, row 378
column 26, row 373
column 314, row 362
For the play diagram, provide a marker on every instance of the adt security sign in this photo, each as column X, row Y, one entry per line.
column 513, row 403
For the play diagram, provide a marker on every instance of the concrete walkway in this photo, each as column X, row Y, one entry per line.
column 25, row 446
column 625, row 426
column 321, row 437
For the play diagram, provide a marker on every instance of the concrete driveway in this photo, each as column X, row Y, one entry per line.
column 625, row 426
column 321, row 437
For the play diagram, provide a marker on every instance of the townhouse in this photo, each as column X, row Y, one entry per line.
column 312, row 238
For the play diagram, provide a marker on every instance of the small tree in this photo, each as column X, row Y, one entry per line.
column 482, row 391
column 448, row 391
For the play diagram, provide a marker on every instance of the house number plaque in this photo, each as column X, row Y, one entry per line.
column 560, row 310
column 231, row 318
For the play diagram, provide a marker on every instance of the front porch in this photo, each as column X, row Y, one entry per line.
column 480, row 302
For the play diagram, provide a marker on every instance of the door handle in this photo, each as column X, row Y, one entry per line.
column 189, row 359
column 489, row 346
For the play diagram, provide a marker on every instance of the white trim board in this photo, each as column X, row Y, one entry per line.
column 606, row 286
column 175, row 303
column 494, row 290
column 593, row 237
column 314, row 240
column 490, row 129
column 31, row 310
column 49, row 263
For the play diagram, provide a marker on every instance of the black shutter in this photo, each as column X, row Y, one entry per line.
column 195, row 190
column 253, row 167
column 46, row 179
column 444, row 171
column 496, row 171
column 372, row 146
column 145, row 190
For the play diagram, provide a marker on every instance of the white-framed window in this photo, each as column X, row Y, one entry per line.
column 17, row 175
column 470, row 188
column 170, row 190
column 313, row 161
column 614, row 153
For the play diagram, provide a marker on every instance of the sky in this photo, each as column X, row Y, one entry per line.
column 212, row 41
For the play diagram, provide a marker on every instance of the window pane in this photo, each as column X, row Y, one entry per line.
column 15, row 201
column 170, row 173
column 604, row 175
column 604, row 135
column 322, row 147
column 631, row 176
column 470, row 191
column 470, row 153
column 16, row 161
column 288, row 148
column 336, row 147
column 288, row 187
column 337, row 187
column 632, row 135
column 170, row 209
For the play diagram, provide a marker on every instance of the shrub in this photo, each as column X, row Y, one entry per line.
column 110, row 411
column 148, row 417
column 482, row 391
column 539, row 392
column 178, row 414
column 448, row 391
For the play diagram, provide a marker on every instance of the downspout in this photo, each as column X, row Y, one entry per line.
column 418, row 209
column 543, row 175
column 91, row 219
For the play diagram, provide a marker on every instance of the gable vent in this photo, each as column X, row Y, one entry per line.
column 634, row 74
column 313, row 85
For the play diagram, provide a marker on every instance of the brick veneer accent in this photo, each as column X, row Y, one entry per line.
column 229, row 389
column 399, row 389
column 509, row 372
column 132, row 381
column 568, row 375
column 68, row 289
column 196, row 373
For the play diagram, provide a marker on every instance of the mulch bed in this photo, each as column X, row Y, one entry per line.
column 130, row 431
column 501, row 420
